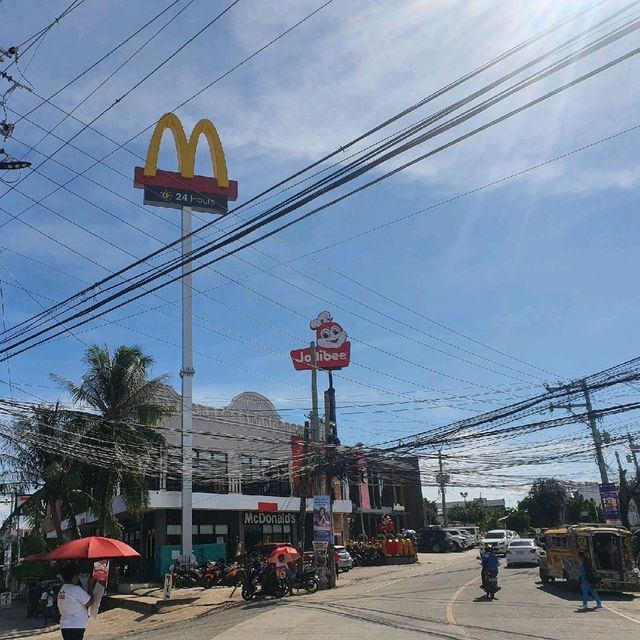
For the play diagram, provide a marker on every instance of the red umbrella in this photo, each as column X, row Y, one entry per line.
column 92, row 548
column 290, row 554
column 35, row 556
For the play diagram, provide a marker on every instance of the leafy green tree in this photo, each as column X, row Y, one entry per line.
column 579, row 509
column 628, row 489
column 545, row 503
column 35, row 459
column 472, row 513
column 517, row 521
column 430, row 511
column 118, row 386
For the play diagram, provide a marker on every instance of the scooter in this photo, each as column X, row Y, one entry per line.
column 263, row 582
column 219, row 574
column 306, row 579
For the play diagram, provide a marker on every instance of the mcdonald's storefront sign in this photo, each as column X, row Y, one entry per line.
column 183, row 188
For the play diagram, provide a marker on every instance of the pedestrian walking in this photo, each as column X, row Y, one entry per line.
column 588, row 582
column 73, row 603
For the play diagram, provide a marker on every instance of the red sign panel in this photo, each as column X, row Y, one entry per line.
column 325, row 358
column 267, row 506
column 332, row 349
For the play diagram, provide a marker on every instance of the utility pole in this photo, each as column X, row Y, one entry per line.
column 597, row 437
column 634, row 450
column 186, row 373
column 304, row 490
column 442, row 482
column 330, row 452
column 315, row 421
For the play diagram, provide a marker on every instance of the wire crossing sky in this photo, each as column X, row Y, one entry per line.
column 461, row 199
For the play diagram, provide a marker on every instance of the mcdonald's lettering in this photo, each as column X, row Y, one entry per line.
column 183, row 188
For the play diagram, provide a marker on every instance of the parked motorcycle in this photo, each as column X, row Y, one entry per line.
column 306, row 579
column 184, row 578
column 262, row 581
column 220, row 574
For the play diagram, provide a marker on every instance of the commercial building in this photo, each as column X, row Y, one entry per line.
column 244, row 487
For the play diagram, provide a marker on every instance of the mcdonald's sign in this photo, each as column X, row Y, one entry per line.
column 183, row 188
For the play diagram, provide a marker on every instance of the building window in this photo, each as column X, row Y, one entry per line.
column 210, row 472
column 174, row 529
column 263, row 477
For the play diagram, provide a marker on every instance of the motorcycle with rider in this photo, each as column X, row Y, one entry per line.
column 490, row 565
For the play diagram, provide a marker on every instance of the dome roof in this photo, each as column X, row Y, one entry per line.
column 254, row 403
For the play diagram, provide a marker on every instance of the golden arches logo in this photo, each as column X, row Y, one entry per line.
column 186, row 148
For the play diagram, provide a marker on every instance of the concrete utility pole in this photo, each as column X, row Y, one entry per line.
column 330, row 460
column 597, row 437
column 186, row 373
column 445, row 519
column 304, row 490
column 634, row 450
column 315, row 420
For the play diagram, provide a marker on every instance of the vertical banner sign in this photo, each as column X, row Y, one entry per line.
column 610, row 504
column 321, row 521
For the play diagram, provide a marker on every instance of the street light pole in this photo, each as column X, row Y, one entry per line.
column 445, row 518
column 186, row 373
column 464, row 495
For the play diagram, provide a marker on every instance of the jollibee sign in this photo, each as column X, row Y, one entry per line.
column 333, row 350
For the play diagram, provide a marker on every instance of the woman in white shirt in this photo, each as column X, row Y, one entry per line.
column 73, row 603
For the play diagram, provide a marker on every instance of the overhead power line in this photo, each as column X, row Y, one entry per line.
column 260, row 221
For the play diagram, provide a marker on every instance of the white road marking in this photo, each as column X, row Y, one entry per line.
column 619, row 613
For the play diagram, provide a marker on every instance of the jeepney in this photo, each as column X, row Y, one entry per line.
column 608, row 547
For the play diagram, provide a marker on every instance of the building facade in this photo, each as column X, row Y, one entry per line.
column 244, row 487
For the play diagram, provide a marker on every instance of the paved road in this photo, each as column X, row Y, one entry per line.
column 439, row 600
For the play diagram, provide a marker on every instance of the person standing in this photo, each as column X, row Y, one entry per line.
column 47, row 606
column 73, row 602
column 588, row 582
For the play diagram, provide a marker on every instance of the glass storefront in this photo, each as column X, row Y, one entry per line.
column 263, row 528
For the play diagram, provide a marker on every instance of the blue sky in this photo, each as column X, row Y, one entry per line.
column 541, row 267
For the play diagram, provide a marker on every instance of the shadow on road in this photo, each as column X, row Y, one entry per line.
column 563, row 591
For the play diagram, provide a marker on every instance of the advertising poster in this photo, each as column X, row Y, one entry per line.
column 321, row 521
column 610, row 505
column 101, row 571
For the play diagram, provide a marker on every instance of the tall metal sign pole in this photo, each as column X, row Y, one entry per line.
column 186, row 373
column 185, row 191
column 330, row 351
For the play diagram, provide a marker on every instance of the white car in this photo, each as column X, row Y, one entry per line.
column 461, row 539
column 499, row 539
column 523, row 551
column 345, row 562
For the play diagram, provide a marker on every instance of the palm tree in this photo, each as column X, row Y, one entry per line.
column 35, row 460
column 119, row 388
